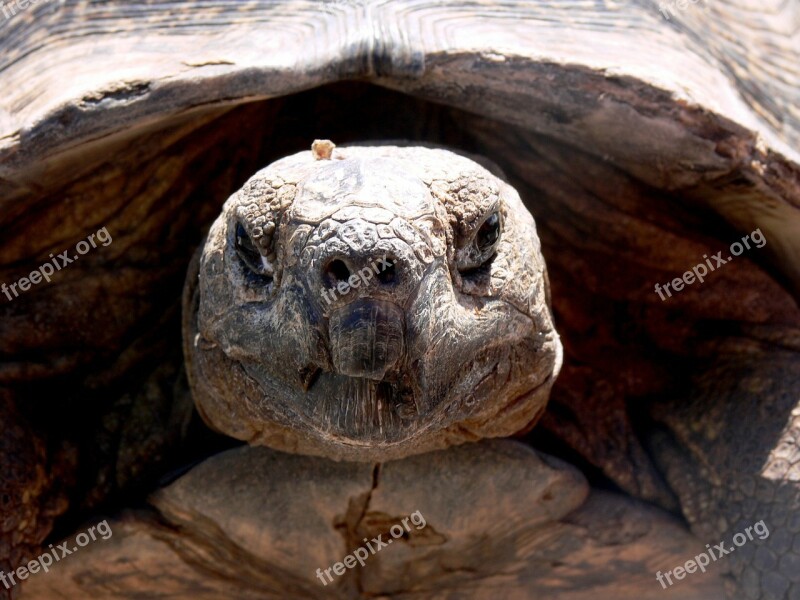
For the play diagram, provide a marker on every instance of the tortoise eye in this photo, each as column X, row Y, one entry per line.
column 481, row 247
column 248, row 253
column 488, row 234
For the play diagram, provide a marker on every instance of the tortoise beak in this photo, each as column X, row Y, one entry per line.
column 366, row 338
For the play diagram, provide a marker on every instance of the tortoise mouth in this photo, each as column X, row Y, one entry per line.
column 367, row 340
column 364, row 395
column 361, row 410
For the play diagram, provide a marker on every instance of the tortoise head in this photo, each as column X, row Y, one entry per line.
column 370, row 303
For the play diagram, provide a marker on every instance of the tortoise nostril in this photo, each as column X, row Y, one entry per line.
column 337, row 271
column 387, row 274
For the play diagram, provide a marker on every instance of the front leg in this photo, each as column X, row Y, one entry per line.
column 732, row 453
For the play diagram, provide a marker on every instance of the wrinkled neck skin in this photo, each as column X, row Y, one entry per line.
column 369, row 305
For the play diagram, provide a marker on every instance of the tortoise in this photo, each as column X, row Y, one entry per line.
column 645, row 140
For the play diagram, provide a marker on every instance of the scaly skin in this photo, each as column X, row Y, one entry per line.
column 439, row 354
column 731, row 453
column 430, row 356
